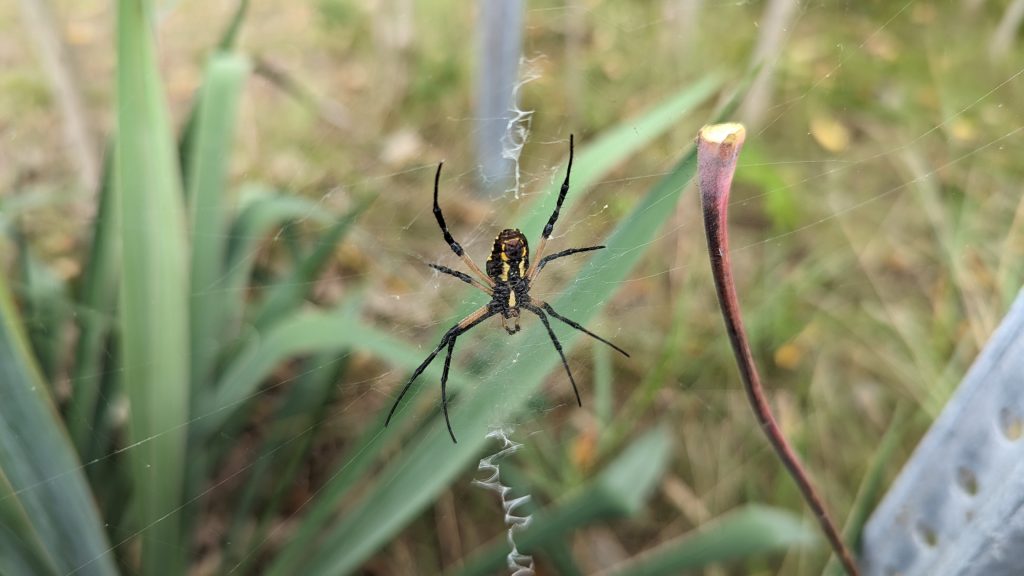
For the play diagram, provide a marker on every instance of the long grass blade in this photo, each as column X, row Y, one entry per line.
column 47, row 308
column 40, row 473
column 97, row 302
column 746, row 532
column 21, row 551
column 154, row 290
column 206, row 180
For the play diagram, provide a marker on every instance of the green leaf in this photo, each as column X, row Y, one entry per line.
column 97, row 304
column 21, row 552
column 45, row 500
column 209, row 159
column 46, row 310
column 227, row 43
column 431, row 461
column 230, row 37
column 154, row 291
column 747, row 532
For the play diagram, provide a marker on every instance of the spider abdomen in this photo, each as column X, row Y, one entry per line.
column 510, row 257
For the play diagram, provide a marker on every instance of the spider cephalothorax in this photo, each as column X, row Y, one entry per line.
column 507, row 282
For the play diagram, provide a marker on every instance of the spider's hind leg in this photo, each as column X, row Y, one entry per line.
column 558, row 346
column 465, row 325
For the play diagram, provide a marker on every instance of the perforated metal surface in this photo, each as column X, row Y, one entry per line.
column 958, row 505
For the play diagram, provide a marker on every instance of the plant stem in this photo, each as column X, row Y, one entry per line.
column 718, row 147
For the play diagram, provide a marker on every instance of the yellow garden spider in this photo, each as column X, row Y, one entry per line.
column 507, row 281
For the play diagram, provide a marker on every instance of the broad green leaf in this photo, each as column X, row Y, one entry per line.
column 97, row 303
column 46, row 310
column 45, row 498
column 209, row 159
column 228, row 42
column 620, row 490
column 21, row 552
column 431, row 461
column 154, row 291
column 746, row 532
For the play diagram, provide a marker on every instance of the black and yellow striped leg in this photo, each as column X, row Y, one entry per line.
column 577, row 326
column 544, row 261
column 455, row 246
column 558, row 346
column 462, row 276
column 444, row 389
column 467, row 323
column 549, row 228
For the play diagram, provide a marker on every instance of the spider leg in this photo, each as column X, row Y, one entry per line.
column 462, row 276
column 444, row 389
column 455, row 246
column 554, row 215
column 577, row 326
column 543, row 262
column 558, row 346
column 481, row 314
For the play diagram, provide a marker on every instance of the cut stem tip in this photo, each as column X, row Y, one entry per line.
column 718, row 147
column 731, row 133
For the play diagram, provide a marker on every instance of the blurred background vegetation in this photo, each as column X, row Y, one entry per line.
column 217, row 288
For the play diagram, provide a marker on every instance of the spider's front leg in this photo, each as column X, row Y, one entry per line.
column 544, row 261
column 554, row 215
column 455, row 246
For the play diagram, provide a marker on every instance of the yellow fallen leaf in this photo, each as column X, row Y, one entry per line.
column 829, row 133
column 963, row 130
column 788, row 356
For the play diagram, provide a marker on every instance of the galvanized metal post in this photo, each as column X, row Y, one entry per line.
column 500, row 48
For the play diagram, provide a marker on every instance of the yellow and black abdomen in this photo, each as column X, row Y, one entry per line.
column 510, row 257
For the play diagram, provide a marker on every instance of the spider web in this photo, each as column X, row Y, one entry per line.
column 864, row 203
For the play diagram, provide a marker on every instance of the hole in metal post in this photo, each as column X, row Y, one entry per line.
column 1010, row 424
column 927, row 535
column 967, row 480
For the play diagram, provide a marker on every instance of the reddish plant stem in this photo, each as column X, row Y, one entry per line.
column 718, row 147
